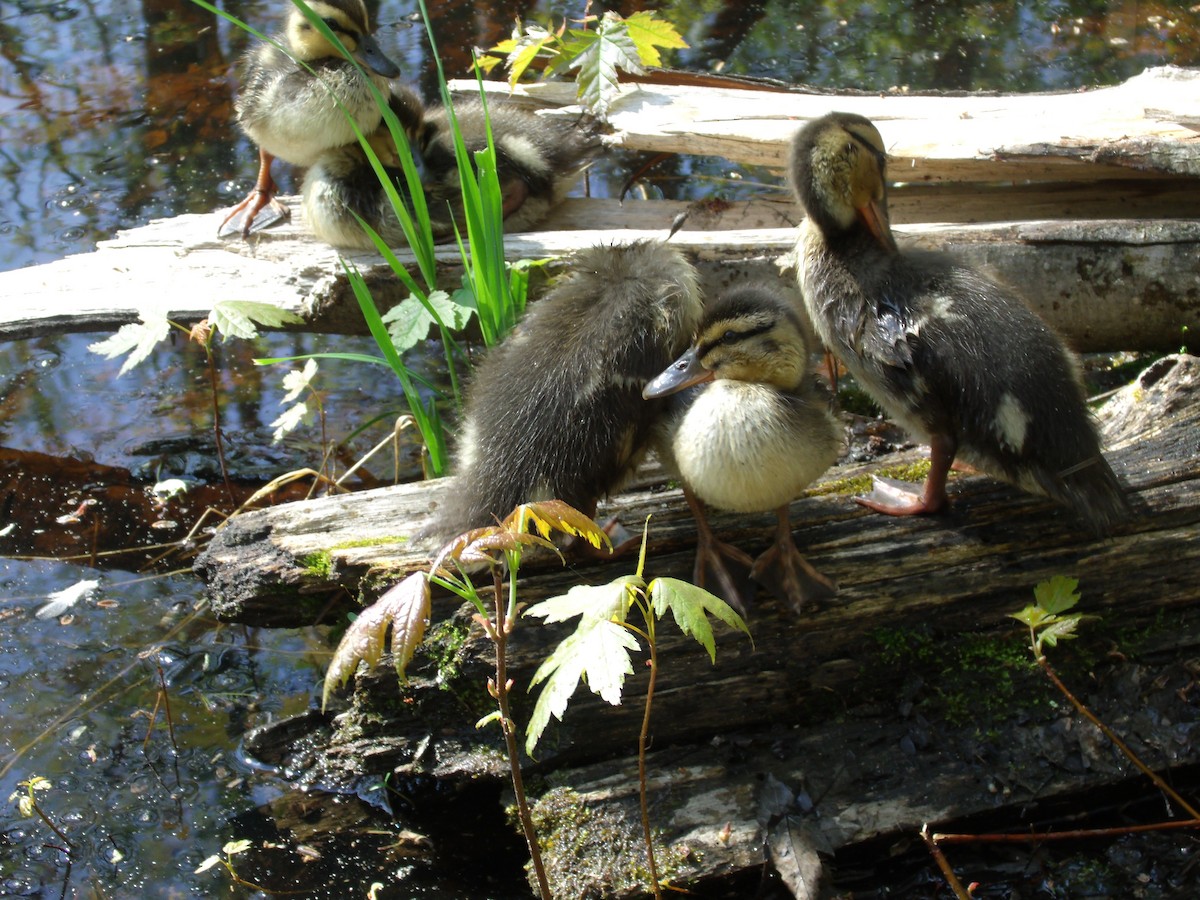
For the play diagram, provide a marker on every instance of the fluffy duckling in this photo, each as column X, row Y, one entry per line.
column 290, row 113
column 538, row 159
column 752, row 437
column 556, row 410
column 953, row 357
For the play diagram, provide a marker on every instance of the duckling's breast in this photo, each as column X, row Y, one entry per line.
column 747, row 447
column 294, row 116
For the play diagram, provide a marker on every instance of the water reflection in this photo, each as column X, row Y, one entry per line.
column 114, row 114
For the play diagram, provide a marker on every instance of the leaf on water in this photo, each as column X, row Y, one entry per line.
column 612, row 49
column 648, row 32
column 240, row 318
column 403, row 607
column 61, row 601
column 137, row 339
column 555, row 515
column 1058, row 594
column 297, row 380
column 290, row 419
column 598, row 651
column 602, row 601
column 691, row 606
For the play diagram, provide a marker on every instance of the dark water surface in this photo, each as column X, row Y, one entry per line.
column 114, row 113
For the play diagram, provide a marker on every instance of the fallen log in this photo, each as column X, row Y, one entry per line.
column 811, row 711
column 1096, row 187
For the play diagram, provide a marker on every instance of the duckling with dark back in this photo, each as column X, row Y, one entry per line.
column 555, row 410
column 953, row 357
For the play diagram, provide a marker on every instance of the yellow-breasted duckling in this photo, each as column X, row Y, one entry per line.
column 290, row 113
column 752, row 436
column 538, row 159
column 556, row 410
column 950, row 355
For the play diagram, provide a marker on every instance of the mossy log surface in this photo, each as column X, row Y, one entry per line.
column 812, row 711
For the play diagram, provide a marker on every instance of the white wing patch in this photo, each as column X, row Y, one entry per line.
column 1012, row 422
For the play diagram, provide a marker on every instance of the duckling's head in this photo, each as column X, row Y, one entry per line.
column 838, row 168
column 348, row 19
column 749, row 334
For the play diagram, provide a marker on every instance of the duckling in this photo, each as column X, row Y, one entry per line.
column 752, row 437
column 953, row 357
column 538, row 159
column 291, row 113
column 556, row 409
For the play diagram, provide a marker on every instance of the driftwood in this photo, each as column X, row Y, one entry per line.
column 723, row 735
column 1097, row 220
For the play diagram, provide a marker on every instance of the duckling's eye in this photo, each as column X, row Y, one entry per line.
column 729, row 335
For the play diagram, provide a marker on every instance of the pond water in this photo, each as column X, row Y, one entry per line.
column 114, row 113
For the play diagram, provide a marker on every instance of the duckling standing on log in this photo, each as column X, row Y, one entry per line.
column 291, row 113
column 950, row 355
column 538, row 159
column 556, row 410
column 752, row 437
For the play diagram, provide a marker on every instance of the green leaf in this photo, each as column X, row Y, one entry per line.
column 598, row 651
column 409, row 321
column 1061, row 630
column 137, row 339
column 239, row 318
column 602, row 601
column 1058, row 594
column 611, row 50
column 648, row 32
column 691, row 607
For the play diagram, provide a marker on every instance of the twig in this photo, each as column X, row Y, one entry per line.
column 1112, row 736
column 642, row 737
column 942, row 863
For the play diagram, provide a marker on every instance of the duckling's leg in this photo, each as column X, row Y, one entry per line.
column 894, row 499
column 785, row 571
column 261, row 195
column 711, row 553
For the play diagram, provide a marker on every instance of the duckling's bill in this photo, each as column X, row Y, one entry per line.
column 683, row 373
column 875, row 216
column 370, row 55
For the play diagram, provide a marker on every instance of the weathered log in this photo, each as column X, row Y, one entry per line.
column 722, row 732
column 1137, row 126
column 970, row 171
column 275, row 566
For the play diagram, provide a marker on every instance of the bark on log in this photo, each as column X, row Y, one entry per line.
column 261, row 571
column 727, row 737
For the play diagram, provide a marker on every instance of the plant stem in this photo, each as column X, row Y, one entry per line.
column 1112, row 736
column 41, row 815
column 642, row 738
column 217, row 433
column 504, row 626
column 944, row 864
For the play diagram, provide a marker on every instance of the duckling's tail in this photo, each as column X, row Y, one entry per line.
column 1092, row 490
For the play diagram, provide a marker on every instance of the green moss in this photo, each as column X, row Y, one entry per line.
column 318, row 565
column 915, row 472
column 855, row 400
column 596, row 850
column 443, row 646
column 978, row 679
column 372, row 542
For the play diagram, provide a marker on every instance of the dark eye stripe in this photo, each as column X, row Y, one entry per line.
column 732, row 337
column 871, row 148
